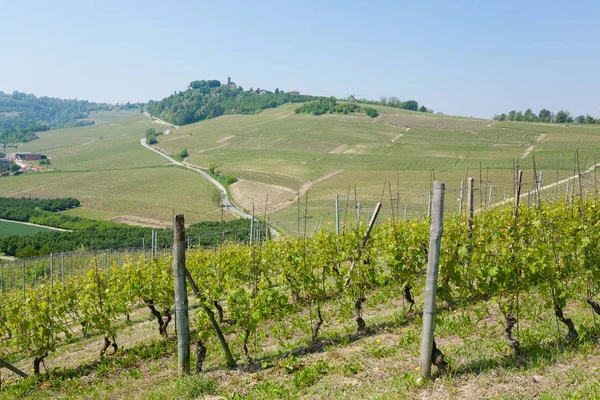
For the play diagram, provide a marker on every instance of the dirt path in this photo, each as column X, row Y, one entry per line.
column 303, row 189
column 159, row 121
column 39, row 226
column 532, row 146
column 226, row 201
column 397, row 137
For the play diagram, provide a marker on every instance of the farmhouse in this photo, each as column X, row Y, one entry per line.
column 295, row 92
column 30, row 156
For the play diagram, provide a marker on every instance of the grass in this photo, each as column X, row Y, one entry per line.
column 282, row 148
column 101, row 164
column 105, row 167
column 380, row 364
column 14, row 228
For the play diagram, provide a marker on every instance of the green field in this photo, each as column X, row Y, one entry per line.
column 14, row 228
column 279, row 147
column 106, row 168
column 279, row 153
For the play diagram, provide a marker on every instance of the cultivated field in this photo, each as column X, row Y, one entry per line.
column 332, row 154
column 288, row 156
column 8, row 228
column 106, row 168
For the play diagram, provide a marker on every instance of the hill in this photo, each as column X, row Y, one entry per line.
column 22, row 115
column 281, row 154
column 105, row 167
column 209, row 99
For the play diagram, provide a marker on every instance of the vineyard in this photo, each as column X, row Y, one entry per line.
column 515, row 265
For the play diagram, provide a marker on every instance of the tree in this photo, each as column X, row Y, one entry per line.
column 512, row 115
column 371, row 112
column 545, row 115
column 580, row 119
column 184, row 153
column 276, row 90
column 216, row 197
column 150, row 131
column 529, row 115
column 423, row 109
column 14, row 168
column 519, row 116
column 562, row 117
column 589, row 119
column 412, row 105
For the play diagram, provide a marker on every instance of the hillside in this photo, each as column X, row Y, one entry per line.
column 280, row 153
column 22, row 115
column 209, row 99
column 105, row 167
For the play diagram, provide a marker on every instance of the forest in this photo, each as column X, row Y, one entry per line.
column 208, row 99
column 88, row 234
column 22, row 115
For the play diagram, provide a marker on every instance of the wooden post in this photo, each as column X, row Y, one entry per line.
column 364, row 242
column 144, row 249
column 181, row 300
column 470, row 206
column 538, row 196
column 23, row 272
column 337, row 214
column 490, row 197
column 357, row 215
column 252, row 226
column 62, row 268
column 51, row 273
column 460, row 199
column 433, row 259
column 429, row 205
column 517, row 193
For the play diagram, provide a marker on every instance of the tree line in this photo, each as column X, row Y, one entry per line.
column 209, row 99
column 411, row 105
column 22, row 209
column 330, row 105
column 560, row 117
column 22, row 115
column 89, row 234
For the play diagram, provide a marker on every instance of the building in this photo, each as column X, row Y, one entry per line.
column 30, row 156
column 295, row 92
column 230, row 83
column 264, row 91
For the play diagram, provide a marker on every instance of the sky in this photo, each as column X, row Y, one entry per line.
column 469, row 58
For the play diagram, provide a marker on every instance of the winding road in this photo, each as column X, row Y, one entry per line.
column 225, row 199
column 226, row 203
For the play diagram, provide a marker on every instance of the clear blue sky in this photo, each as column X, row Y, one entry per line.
column 472, row 58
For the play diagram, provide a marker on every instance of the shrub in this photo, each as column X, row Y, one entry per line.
column 371, row 112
